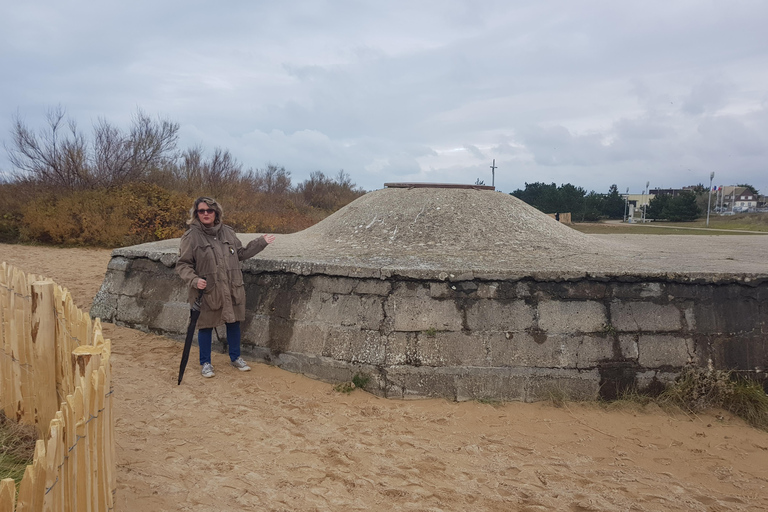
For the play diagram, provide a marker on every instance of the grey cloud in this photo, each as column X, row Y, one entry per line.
column 590, row 93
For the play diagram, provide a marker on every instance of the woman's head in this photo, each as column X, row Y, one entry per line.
column 206, row 210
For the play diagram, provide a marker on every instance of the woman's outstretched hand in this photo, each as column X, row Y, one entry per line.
column 269, row 238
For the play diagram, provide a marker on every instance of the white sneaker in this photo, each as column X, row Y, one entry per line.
column 208, row 370
column 240, row 364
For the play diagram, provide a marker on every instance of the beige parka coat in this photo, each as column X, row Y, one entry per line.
column 214, row 254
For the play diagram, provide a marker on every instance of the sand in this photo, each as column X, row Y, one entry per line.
column 276, row 441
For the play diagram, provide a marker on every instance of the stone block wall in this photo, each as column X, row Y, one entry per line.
column 505, row 339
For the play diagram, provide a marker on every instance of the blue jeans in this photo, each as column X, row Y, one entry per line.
column 204, row 338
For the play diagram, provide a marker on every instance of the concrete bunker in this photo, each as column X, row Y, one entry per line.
column 463, row 293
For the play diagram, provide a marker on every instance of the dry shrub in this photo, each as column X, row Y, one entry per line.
column 13, row 197
column 254, row 212
column 131, row 214
column 154, row 213
column 17, row 448
column 697, row 389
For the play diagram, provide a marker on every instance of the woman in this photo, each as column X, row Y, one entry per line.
column 209, row 261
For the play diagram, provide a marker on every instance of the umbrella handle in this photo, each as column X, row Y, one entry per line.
column 199, row 300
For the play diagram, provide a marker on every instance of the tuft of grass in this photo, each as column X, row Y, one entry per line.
column 431, row 332
column 557, row 396
column 361, row 380
column 493, row 402
column 630, row 399
column 698, row 389
column 17, row 448
column 344, row 387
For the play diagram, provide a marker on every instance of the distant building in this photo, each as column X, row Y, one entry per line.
column 745, row 201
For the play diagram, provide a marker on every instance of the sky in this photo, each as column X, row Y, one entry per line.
column 588, row 92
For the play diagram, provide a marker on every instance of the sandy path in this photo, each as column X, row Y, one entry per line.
column 272, row 440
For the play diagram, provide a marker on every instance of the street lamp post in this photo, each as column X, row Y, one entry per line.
column 709, row 201
column 645, row 202
column 626, row 205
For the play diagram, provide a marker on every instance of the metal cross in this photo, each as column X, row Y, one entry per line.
column 493, row 173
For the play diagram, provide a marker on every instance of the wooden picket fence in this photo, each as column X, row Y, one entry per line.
column 55, row 374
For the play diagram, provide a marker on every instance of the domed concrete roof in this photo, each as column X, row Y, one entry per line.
column 447, row 229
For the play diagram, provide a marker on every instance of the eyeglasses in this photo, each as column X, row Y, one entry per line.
column 207, row 211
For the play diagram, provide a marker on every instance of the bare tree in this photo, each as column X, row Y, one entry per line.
column 59, row 158
column 121, row 157
column 222, row 172
column 189, row 172
column 272, row 180
column 54, row 156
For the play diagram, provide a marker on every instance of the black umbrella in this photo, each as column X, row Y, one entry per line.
column 194, row 313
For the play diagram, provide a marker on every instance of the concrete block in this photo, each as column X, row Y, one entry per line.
column 593, row 350
column 491, row 384
column 643, row 290
column 451, row 349
column 400, row 348
column 690, row 318
column 370, row 314
column 171, row 317
column 728, row 314
column 130, row 310
column 412, row 382
column 328, row 284
column 104, row 305
column 571, row 316
column 628, row 345
column 338, row 343
column 654, row 378
column 440, row 290
column 645, row 317
column 308, row 338
column 568, row 384
column 118, row 263
column 584, row 290
column 655, row 351
column 487, row 290
column 369, row 347
column 521, row 350
column 419, row 314
column 402, row 289
column 373, row 287
column 493, row 315
column 345, row 310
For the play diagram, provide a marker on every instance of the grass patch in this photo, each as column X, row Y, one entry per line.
column 359, row 381
column 431, row 332
column 696, row 389
column 17, row 448
column 344, row 387
column 494, row 402
column 717, row 226
column 557, row 396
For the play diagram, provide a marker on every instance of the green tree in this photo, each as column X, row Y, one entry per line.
column 682, row 208
column 656, row 206
column 613, row 204
column 549, row 198
column 750, row 187
column 593, row 207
